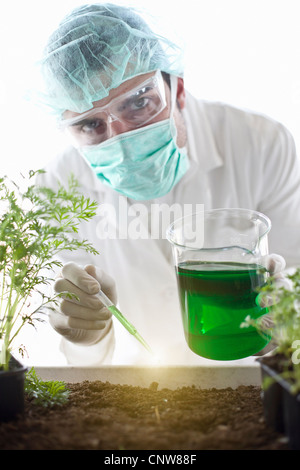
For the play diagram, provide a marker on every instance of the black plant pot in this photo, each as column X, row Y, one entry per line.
column 12, row 390
column 272, row 397
column 281, row 406
column 291, row 407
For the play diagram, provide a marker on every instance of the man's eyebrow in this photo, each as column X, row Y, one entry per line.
column 143, row 89
column 83, row 121
column 137, row 93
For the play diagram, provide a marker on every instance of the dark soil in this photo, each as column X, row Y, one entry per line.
column 118, row 417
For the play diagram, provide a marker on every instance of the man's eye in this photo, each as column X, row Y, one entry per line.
column 139, row 103
column 91, row 125
column 134, row 104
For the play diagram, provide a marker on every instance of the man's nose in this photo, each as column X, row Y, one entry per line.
column 116, row 127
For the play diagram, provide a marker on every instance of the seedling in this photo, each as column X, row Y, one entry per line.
column 45, row 393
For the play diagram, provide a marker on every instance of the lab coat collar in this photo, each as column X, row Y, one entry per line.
column 201, row 140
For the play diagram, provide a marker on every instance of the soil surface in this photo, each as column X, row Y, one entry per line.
column 100, row 415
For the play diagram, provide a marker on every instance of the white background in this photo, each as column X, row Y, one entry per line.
column 244, row 52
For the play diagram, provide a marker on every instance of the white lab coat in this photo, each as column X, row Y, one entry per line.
column 237, row 159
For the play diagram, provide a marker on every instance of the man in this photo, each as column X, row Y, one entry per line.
column 140, row 140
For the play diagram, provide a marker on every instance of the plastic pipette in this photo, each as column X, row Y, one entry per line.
column 129, row 327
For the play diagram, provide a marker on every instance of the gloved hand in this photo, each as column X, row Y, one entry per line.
column 275, row 264
column 85, row 321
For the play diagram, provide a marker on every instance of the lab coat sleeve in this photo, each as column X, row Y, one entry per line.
column 279, row 194
column 97, row 354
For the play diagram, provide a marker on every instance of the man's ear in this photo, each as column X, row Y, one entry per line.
column 180, row 93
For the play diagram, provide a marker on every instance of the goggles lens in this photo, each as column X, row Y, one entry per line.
column 134, row 109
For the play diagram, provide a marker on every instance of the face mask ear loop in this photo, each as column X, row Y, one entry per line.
column 173, row 86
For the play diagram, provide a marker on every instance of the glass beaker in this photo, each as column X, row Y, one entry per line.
column 217, row 256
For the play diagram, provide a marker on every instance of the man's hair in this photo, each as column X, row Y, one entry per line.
column 166, row 77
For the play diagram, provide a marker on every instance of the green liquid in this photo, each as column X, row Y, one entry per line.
column 215, row 299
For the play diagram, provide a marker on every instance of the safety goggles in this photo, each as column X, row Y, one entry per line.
column 134, row 109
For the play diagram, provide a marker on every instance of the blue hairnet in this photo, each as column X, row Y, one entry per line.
column 96, row 48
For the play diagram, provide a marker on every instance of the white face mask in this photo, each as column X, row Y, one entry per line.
column 142, row 164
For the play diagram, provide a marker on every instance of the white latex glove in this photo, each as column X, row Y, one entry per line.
column 85, row 321
column 275, row 265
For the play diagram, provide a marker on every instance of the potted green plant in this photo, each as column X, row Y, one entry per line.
column 36, row 224
column 281, row 369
